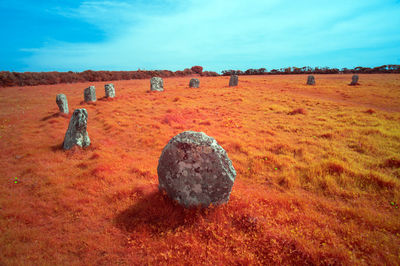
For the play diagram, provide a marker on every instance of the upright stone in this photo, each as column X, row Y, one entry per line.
column 110, row 90
column 195, row 171
column 354, row 80
column 90, row 94
column 310, row 80
column 76, row 133
column 233, row 81
column 156, row 84
column 194, row 83
column 62, row 103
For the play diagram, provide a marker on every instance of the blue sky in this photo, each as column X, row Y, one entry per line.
column 55, row 35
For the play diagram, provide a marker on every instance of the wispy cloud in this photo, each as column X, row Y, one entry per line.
column 225, row 34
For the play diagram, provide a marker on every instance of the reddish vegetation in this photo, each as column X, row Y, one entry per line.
column 321, row 188
column 298, row 111
column 370, row 111
column 197, row 69
column 392, row 163
column 45, row 78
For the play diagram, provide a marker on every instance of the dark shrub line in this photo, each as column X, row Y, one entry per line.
column 49, row 78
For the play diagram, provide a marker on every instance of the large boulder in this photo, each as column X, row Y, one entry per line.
column 90, row 94
column 62, row 103
column 233, row 81
column 354, row 80
column 76, row 133
column 310, row 80
column 156, row 84
column 109, row 90
column 195, row 171
column 194, row 83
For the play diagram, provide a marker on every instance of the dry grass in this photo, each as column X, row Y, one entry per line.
column 318, row 187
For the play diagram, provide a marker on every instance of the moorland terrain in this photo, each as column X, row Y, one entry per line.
column 318, row 173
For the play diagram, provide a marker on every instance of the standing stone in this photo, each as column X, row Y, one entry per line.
column 156, row 84
column 233, row 81
column 90, row 94
column 354, row 80
column 62, row 103
column 194, row 170
column 110, row 90
column 76, row 133
column 194, row 83
column 310, row 80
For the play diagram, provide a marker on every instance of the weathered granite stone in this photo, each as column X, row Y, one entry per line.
column 156, row 84
column 354, row 80
column 310, row 80
column 76, row 133
column 194, row 83
column 62, row 103
column 90, row 94
column 195, row 171
column 110, row 90
column 233, row 81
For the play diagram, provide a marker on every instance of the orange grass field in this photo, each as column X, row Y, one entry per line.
column 318, row 173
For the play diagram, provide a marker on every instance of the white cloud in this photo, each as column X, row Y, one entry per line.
column 219, row 34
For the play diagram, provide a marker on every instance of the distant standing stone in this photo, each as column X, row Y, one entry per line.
column 233, row 81
column 195, row 170
column 156, row 84
column 354, row 80
column 110, row 90
column 62, row 103
column 90, row 94
column 310, row 80
column 194, row 83
column 76, row 133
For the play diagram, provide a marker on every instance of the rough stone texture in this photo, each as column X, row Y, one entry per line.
column 156, row 84
column 310, row 80
column 354, row 80
column 233, row 81
column 90, row 94
column 110, row 90
column 194, row 83
column 62, row 103
column 195, row 171
column 76, row 133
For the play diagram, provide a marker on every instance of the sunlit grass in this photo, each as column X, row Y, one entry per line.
column 318, row 173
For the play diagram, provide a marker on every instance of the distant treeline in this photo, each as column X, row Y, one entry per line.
column 47, row 78
column 316, row 70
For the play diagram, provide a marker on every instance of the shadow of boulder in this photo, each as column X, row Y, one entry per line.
column 58, row 114
column 88, row 103
column 156, row 212
column 57, row 147
column 107, row 99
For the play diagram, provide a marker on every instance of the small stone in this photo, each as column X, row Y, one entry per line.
column 76, row 133
column 110, row 90
column 233, row 81
column 195, row 170
column 62, row 103
column 90, row 94
column 310, row 80
column 194, row 83
column 354, row 80
column 156, row 84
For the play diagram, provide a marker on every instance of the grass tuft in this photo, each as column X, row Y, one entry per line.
column 301, row 111
column 392, row 163
column 370, row 111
